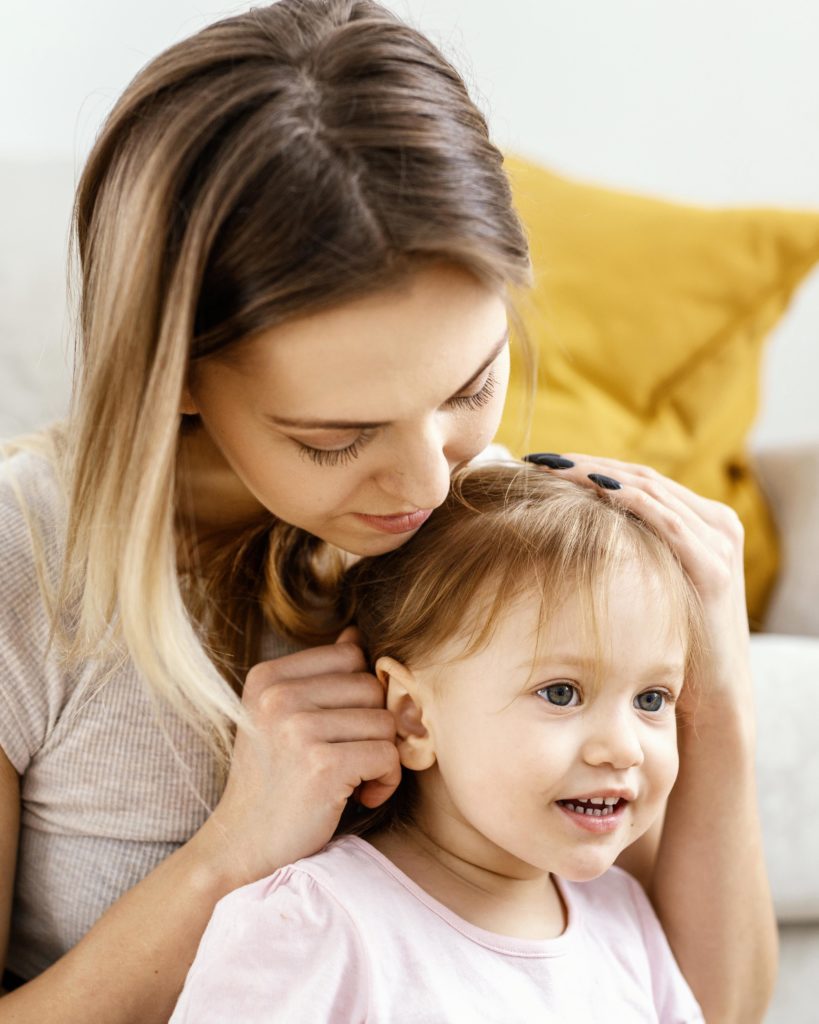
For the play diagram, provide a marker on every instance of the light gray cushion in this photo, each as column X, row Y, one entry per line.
column 786, row 682
column 790, row 477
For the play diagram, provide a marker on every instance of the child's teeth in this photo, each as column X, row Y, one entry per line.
column 598, row 806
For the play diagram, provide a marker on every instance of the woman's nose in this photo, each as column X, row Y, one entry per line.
column 613, row 740
column 419, row 471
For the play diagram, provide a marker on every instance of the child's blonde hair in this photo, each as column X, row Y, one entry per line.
column 506, row 530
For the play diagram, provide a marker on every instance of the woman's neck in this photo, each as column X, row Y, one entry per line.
column 522, row 907
column 209, row 493
column 211, row 501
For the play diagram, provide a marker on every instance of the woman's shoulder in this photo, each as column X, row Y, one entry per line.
column 32, row 522
column 32, row 511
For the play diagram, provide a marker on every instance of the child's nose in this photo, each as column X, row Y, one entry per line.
column 613, row 740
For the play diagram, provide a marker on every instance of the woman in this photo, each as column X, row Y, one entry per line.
column 296, row 243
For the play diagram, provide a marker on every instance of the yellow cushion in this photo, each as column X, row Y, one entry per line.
column 649, row 319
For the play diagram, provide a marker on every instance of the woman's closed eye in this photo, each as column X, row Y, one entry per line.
column 336, row 456
column 478, row 398
column 345, row 454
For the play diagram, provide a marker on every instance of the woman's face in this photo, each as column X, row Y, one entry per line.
column 349, row 423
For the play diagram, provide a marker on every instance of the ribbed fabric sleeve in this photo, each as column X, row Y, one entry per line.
column 110, row 785
column 31, row 683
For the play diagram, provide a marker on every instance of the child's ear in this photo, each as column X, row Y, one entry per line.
column 402, row 692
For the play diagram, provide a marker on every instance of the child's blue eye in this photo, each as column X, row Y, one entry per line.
column 651, row 700
column 561, row 694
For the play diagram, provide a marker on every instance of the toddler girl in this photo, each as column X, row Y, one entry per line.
column 532, row 640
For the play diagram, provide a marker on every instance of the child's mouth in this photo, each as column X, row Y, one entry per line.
column 597, row 807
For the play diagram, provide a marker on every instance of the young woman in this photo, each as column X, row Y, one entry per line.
column 533, row 641
column 296, row 243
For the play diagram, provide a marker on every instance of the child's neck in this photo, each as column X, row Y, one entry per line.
column 522, row 907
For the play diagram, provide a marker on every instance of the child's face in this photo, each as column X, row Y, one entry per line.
column 530, row 723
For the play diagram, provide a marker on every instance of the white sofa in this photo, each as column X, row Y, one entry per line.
column 34, row 204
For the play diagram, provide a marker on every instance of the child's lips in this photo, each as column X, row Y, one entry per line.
column 596, row 814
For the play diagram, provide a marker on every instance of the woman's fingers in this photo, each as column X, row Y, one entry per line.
column 333, row 690
column 318, row 733
column 350, row 635
column 341, row 725
column 692, row 507
column 373, row 768
column 339, row 659
column 714, row 513
column 706, row 535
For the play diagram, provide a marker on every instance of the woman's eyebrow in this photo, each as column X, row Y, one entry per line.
column 314, row 424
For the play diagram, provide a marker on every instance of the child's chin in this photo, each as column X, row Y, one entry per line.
column 586, row 870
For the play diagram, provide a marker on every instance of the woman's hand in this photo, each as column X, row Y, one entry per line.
column 708, row 538
column 321, row 732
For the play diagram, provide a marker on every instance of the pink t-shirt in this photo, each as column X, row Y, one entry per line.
column 345, row 937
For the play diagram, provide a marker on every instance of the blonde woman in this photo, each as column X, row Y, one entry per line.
column 296, row 241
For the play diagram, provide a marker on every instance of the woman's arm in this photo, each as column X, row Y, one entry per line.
column 709, row 885
column 131, row 965
column 321, row 730
column 708, row 881
column 9, row 833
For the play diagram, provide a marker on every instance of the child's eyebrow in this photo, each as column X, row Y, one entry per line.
column 556, row 661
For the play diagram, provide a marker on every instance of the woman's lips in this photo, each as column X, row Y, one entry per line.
column 404, row 522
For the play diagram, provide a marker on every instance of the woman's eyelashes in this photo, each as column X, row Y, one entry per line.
column 479, row 398
column 567, row 695
column 342, row 456
column 336, row 456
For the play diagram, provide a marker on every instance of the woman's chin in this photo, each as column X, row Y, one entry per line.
column 368, row 543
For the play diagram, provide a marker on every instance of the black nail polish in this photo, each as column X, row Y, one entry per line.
column 607, row 482
column 549, row 459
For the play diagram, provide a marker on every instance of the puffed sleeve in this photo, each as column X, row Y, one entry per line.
column 279, row 950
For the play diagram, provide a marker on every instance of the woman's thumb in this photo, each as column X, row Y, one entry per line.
column 350, row 635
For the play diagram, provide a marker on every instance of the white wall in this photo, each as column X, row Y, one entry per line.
column 708, row 100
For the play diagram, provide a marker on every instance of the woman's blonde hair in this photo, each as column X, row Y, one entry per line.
column 278, row 162
column 505, row 531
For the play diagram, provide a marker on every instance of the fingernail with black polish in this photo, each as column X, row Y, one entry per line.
column 549, row 459
column 607, row 482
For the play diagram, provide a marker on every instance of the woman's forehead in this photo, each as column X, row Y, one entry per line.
column 433, row 333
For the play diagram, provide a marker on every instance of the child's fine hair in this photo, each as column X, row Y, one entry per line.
column 505, row 531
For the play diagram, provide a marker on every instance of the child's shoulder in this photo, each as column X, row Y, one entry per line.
column 344, row 873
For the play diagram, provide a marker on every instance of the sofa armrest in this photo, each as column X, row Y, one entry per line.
column 789, row 476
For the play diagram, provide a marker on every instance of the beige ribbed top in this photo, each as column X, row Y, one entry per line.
column 105, row 796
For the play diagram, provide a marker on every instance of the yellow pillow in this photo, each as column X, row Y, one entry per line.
column 649, row 319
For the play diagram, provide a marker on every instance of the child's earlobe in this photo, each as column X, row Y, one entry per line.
column 415, row 747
